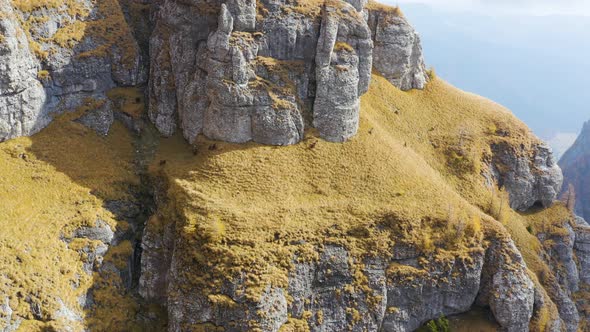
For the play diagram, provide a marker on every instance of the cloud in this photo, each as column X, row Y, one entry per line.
column 531, row 7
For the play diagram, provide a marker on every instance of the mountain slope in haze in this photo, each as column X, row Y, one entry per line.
column 513, row 60
column 575, row 164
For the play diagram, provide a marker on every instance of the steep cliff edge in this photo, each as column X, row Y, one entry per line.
column 319, row 236
column 576, row 168
column 408, row 219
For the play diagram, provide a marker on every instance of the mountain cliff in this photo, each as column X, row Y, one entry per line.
column 576, row 167
column 265, row 166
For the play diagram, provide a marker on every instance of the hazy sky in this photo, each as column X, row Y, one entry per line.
column 516, row 52
column 533, row 7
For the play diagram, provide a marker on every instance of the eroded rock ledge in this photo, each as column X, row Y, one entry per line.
column 336, row 291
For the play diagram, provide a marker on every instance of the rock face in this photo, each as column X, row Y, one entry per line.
column 338, row 292
column 513, row 311
column 236, row 71
column 259, row 76
column 246, row 71
column 576, row 170
column 582, row 250
column 562, row 259
column 398, row 52
column 531, row 177
column 48, row 69
column 22, row 98
column 343, row 71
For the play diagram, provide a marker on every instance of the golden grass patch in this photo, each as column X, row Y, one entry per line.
column 51, row 184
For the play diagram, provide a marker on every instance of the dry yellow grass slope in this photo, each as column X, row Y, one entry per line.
column 244, row 205
column 417, row 160
column 51, row 184
column 412, row 174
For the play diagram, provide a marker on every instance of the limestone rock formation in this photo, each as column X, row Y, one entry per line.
column 22, row 98
column 253, row 71
column 576, row 170
column 563, row 262
column 400, row 294
column 100, row 119
column 266, row 73
column 259, row 76
column 529, row 176
column 343, row 69
column 398, row 52
column 65, row 57
column 582, row 248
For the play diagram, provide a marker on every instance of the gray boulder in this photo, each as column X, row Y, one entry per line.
column 100, row 232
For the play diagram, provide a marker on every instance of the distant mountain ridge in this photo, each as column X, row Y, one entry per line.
column 575, row 164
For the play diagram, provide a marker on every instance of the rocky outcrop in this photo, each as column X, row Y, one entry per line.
column 343, row 71
column 263, row 72
column 399, row 295
column 531, row 177
column 504, row 272
column 259, row 75
column 562, row 258
column 64, row 57
column 236, row 71
column 7, row 323
column 246, row 103
column 582, row 251
column 157, row 248
column 338, row 291
column 100, row 118
column 398, row 52
column 576, row 171
column 22, row 98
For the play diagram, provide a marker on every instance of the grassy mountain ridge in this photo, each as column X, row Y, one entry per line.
column 417, row 160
